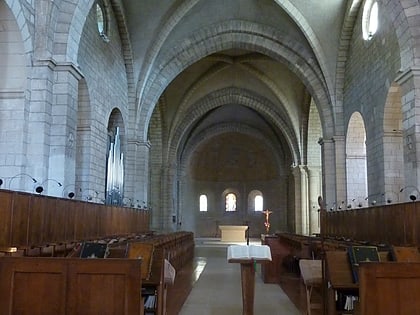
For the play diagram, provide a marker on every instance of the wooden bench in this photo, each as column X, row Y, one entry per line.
column 311, row 273
column 389, row 288
column 69, row 286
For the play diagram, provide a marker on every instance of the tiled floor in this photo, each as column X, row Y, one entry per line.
column 217, row 287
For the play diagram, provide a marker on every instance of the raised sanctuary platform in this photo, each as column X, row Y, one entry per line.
column 233, row 233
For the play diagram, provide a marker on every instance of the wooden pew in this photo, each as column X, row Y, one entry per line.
column 338, row 275
column 389, row 288
column 69, row 286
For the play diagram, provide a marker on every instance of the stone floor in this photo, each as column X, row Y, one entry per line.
column 216, row 286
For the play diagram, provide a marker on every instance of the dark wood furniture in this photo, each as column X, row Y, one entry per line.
column 389, row 288
column 396, row 224
column 272, row 271
column 69, row 286
column 248, row 282
column 338, row 281
column 30, row 220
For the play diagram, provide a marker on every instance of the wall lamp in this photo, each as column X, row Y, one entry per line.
column 68, row 192
column 39, row 189
column 19, row 175
column 411, row 196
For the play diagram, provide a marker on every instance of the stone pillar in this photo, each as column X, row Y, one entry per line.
column 169, row 195
column 314, row 174
column 410, row 93
column 62, row 155
column 334, row 170
column 301, row 199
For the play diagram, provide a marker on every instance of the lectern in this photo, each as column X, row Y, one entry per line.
column 248, row 256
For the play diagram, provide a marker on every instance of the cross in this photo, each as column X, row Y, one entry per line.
column 267, row 217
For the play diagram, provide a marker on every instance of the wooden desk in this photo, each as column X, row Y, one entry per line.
column 339, row 276
column 233, row 233
column 311, row 272
column 248, row 276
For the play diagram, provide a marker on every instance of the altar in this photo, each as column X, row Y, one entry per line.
column 233, row 233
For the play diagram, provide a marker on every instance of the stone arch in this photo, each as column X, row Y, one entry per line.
column 406, row 27
column 312, row 38
column 285, row 107
column 225, row 128
column 393, row 144
column 243, row 35
column 14, row 92
column 16, row 8
column 84, row 154
column 356, row 169
column 343, row 48
column 238, row 96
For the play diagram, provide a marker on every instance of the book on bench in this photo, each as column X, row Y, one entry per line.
column 358, row 254
column 251, row 252
column 94, row 250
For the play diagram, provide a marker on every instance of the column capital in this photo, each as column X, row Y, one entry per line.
column 404, row 76
column 59, row 66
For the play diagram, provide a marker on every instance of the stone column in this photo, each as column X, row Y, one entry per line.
column 410, row 94
column 301, row 199
column 62, row 155
column 314, row 174
column 334, row 170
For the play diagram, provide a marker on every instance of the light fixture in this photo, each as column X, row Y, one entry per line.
column 52, row 179
column 69, row 193
column 21, row 174
column 412, row 196
column 39, row 189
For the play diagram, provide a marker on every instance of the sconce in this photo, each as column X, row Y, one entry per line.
column 127, row 202
column 90, row 197
column 1, row 182
column 39, row 189
column 388, row 198
column 21, row 174
column 68, row 192
column 412, row 196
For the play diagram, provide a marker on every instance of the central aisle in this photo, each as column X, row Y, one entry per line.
column 218, row 288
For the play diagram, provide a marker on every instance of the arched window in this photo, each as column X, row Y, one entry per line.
column 230, row 202
column 258, row 203
column 203, row 203
column 370, row 19
column 101, row 21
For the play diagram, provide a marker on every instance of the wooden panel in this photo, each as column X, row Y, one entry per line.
column 6, row 199
column 101, row 286
column 31, row 286
column 29, row 220
column 338, row 269
column 69, row 286
column 39, row 221
column 389, row 288
column 71, row 223
column 20, row 219
column 60, row 229
column 272, row 271
column 392, row 223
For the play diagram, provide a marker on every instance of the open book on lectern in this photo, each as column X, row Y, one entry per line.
column 257, row 252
